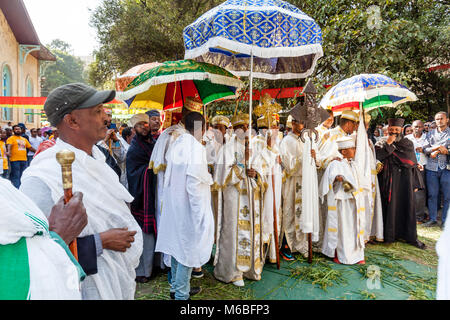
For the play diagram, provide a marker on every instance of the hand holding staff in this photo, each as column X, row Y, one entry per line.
column 65, row 159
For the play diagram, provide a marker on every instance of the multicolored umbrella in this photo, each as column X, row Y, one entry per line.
column 167, row 86
column 285, row 42
column 126, row 78
column 371, row 90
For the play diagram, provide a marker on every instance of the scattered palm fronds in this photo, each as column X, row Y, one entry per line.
column 318, row 273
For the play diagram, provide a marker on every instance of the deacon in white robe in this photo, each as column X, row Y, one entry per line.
column 241, row 191
column 186, row 231
column 344, row 228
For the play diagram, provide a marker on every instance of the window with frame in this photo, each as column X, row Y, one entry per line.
column 6, row 91
column 30, row 93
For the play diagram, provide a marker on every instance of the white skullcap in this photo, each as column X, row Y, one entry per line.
column 345, row 143
column 140, row 117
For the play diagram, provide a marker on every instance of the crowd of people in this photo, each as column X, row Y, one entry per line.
column 212, row 190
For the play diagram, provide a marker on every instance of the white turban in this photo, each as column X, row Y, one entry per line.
column 139, row 118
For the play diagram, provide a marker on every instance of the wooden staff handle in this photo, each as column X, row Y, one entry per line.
column 65, row 159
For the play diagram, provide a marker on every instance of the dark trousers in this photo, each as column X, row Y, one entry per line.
column 17, row 169
column 437, row 182
column 420, row 198
column 5, row 174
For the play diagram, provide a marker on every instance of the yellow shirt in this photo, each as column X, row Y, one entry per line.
column 19, row 147
column 3, row 155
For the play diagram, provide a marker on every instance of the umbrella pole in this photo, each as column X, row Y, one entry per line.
column 251, row 99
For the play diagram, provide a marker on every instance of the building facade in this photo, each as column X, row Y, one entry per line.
column 22, row 58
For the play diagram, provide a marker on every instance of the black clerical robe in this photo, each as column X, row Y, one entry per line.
column 142, row 183
column 398, row 180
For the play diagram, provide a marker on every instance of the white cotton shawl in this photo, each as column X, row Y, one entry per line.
column 186, row 229
column 105, row 200
column 443, row 251
column 309, row 219
column 52, row 275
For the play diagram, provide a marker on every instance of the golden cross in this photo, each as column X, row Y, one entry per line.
column 245, row 211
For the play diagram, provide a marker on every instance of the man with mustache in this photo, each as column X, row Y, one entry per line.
column 398, row 180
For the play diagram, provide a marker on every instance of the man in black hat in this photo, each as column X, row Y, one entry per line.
column 398, row 179
column 111, row 255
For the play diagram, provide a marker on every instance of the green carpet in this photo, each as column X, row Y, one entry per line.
column 325, row 280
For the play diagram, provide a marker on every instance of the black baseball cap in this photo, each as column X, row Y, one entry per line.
column 67, row 98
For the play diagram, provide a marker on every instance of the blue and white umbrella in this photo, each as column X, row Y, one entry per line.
column 371, row 91
column 269, row 39
column 285, row 42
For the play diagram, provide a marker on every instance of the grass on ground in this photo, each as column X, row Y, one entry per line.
column 386, row 256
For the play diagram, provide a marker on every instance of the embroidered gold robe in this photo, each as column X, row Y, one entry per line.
column 238, row 243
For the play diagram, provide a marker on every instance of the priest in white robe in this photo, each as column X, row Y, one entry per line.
column 291, row 150
column 241, row 188
column 344, row 228
column 327, row 146
column 186, row 230
column 267, row 144
column 372, row 197
column 220, row 136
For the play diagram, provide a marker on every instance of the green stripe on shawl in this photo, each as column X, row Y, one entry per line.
column 14, row 271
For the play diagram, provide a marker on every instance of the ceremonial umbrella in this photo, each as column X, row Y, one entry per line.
column 168, row 85
column 127, row 77
column 268, row 39
column 369, row 90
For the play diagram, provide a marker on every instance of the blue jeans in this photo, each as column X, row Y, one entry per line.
column 180, row 280
column 17, row 168
column 438, row 181
column 30, row 158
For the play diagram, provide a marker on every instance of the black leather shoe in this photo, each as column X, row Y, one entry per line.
column 142, row 279
column 430, row 223
column 192, row 292
column 420, row 245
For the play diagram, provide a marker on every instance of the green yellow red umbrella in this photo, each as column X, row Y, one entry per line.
column 168, row 85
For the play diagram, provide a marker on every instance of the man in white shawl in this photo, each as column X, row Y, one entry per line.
column 77, row 111
column 35, row 262
column 186, row 231
column 344, row 228
column 241, row 188
column 158, row 160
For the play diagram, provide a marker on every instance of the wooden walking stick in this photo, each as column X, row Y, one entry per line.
column 275, row 223
column 65, row 159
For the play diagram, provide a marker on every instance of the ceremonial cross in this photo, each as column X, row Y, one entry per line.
column 267, row 107
column 245, row 211
column 244, row 243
